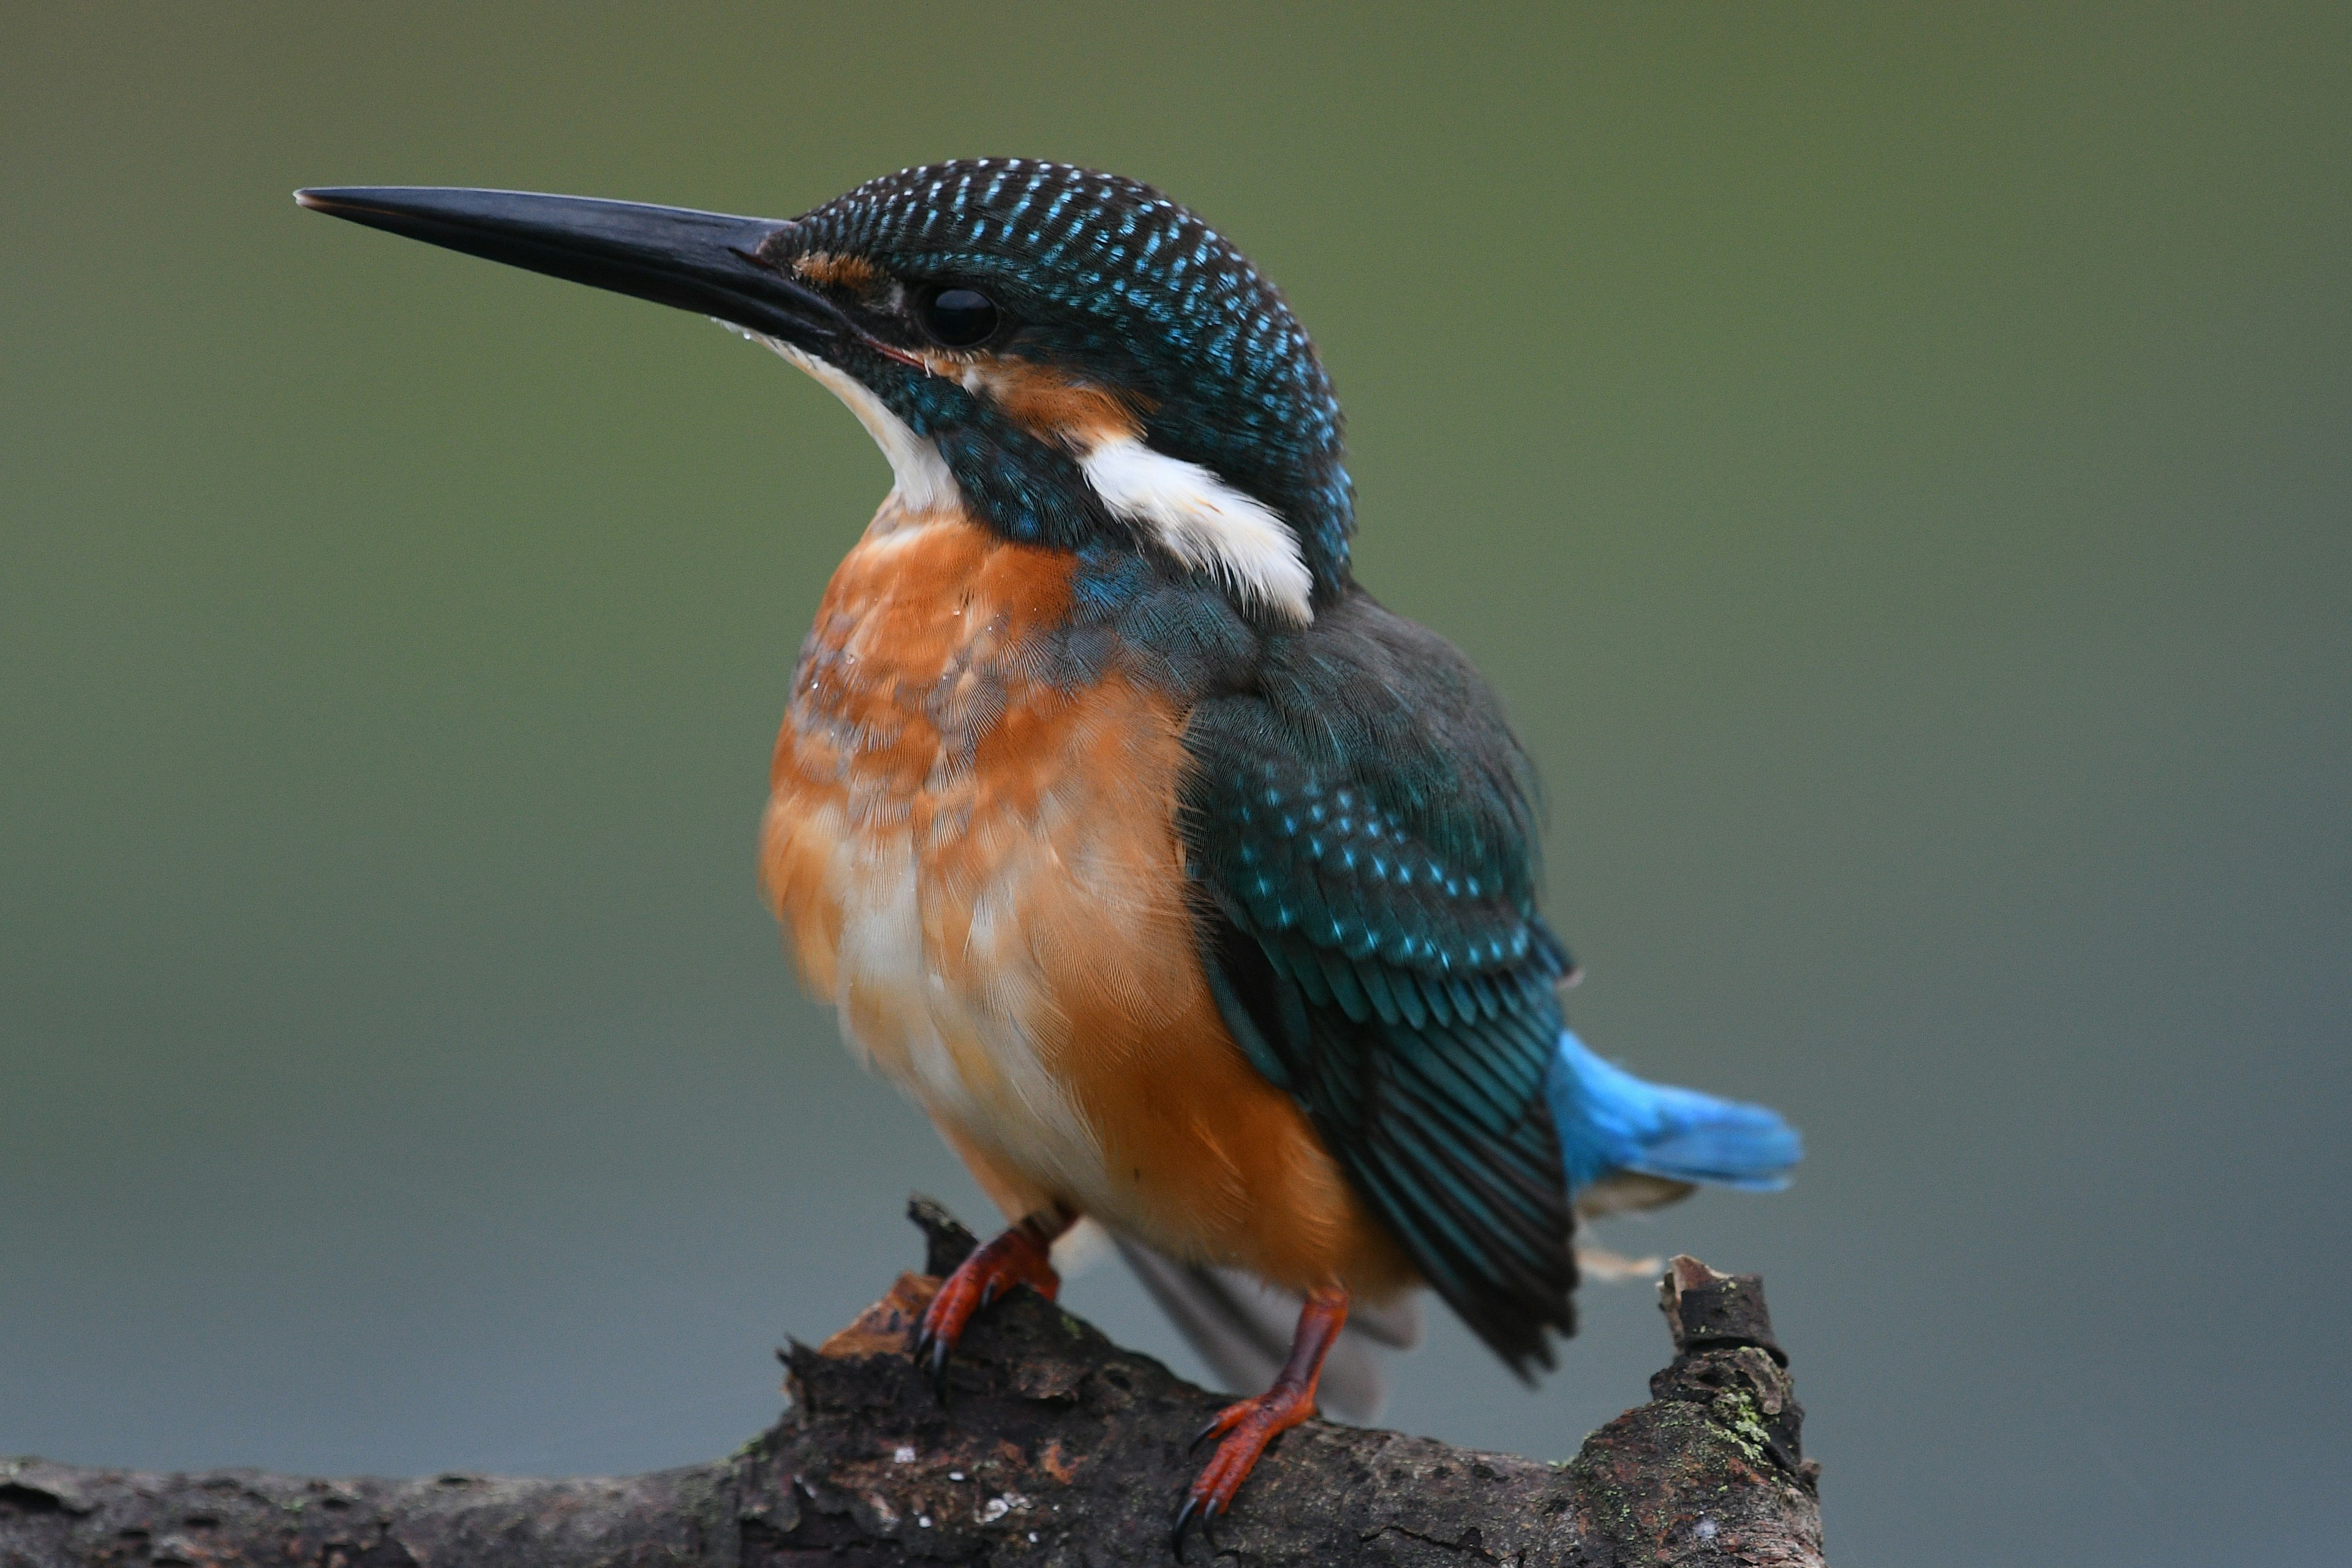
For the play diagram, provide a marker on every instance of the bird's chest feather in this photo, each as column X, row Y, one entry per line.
column 975, row 852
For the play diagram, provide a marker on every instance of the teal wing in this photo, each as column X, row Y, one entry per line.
column 1369, row 930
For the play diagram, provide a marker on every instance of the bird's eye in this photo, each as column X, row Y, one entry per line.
column 958, row 317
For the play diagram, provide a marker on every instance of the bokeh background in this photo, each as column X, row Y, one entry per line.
column 1894, row 461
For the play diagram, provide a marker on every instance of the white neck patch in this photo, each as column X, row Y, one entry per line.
column 1195, row 516
column 919, row 477
column 1205, row 522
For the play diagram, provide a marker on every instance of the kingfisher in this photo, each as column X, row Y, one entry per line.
column 1189, row 890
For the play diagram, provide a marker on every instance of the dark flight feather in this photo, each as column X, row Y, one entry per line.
column 1361, row 823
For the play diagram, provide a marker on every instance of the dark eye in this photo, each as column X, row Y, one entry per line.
column 958, row 317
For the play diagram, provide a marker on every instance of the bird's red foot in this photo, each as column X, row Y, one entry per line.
column 1243, row 1429
column 1021, row 1256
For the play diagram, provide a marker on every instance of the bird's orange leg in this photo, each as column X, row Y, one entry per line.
column 1246, row 1428
column 1023, row 1254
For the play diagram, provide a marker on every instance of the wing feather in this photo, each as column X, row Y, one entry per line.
column 1361, row 828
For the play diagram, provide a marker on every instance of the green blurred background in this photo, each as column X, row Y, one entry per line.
column 1894, row 461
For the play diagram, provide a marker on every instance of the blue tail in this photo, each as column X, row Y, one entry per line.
column 1610, row 1121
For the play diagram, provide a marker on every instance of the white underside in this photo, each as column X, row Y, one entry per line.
column 939, row 1031
column 966, row 1052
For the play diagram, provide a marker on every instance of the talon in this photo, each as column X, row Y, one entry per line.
column 1021, row 1256
column 1204, row 1434
column 1183, row 1523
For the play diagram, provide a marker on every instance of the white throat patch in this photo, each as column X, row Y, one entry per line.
column 1205, row 522
column 919, row 477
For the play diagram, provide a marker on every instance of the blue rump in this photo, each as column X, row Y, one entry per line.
column 1610, row 1121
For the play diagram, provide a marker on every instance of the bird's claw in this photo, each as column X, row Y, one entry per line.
column 1243, row 1431
column 1022, row 1256
column 1200, row 1509
column 933, row 1350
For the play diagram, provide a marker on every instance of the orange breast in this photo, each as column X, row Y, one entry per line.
column 978, row 864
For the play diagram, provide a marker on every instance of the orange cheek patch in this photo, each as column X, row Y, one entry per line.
column 1052, row 406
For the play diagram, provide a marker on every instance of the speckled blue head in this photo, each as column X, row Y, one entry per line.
column 1103, row 284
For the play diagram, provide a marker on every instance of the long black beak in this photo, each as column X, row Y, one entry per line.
column 705, row 262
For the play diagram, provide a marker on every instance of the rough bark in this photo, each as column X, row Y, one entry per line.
column 1054, row 1447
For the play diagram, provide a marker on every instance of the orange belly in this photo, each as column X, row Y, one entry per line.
column 980, row 868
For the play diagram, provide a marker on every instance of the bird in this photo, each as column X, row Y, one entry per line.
column 1190, row 891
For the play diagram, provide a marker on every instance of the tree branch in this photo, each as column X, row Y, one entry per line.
column 1055, row 1448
